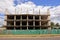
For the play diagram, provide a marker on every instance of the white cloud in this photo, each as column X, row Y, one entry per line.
column 5, row 4
column 56, row 10
column 23, row 7
column 55, row 14
column 1, row 21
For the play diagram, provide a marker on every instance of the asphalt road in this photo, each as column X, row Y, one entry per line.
column 43, row 38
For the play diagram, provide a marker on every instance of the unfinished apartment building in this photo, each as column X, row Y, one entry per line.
column 27, row 21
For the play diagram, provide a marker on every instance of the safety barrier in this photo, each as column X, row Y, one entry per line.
column 46, row 31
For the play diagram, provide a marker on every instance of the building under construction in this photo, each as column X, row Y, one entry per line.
column 27, row 21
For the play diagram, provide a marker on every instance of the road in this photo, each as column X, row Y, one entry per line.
column 36, row 38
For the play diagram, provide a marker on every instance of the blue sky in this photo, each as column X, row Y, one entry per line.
column 47, row 2
column 43, row 2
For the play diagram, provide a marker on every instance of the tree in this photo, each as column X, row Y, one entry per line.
column 52, row 24
column 57, row 24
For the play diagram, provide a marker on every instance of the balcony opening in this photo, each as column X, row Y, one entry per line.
column 10, row 28
column 44, row 27
column 10, row 22
column 24, row 28
column 44, row 22
column 17, row 28
column 37, row 27
column 30, row 23
column 24, row 22
column 10, row 17
column 36, row 17
column 24, row 16
column 17, row 22
column 30, row 28
column 44, row 17
column 18, row 16
column 37, row 23
column 30, row 17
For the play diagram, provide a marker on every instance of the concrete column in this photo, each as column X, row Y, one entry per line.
column 20, row 24
column 14, row 21
column 14, row 24
column 48, row 18
column 34, row 22
column 21, row 21
column 49, row 23
column 6, row 11
column 40, row 20
column 5, row 17
column 27, row 22
column 5, row 22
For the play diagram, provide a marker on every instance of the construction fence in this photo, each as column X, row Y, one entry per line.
column 46, row 31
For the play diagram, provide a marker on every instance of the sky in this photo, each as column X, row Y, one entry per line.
column 42, row 5
column 42, row 2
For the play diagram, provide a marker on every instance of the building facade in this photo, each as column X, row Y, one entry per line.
column 27, row 21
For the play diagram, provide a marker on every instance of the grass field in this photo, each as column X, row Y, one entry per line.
column 24, row 36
